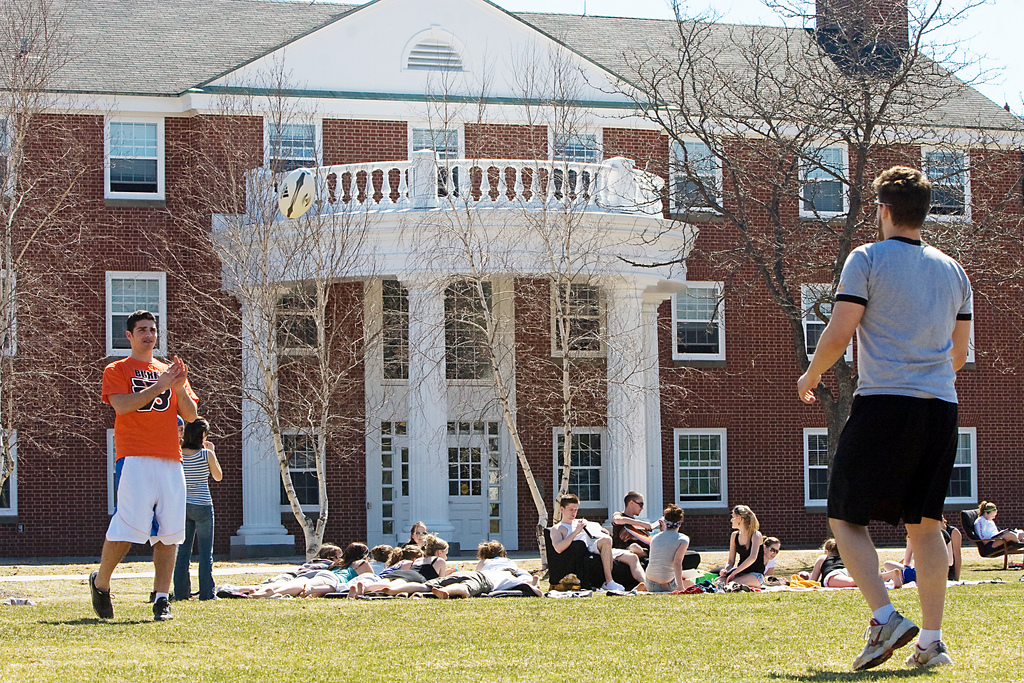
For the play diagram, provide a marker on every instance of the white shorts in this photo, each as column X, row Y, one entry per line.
column 834, row 572
column 150, row 502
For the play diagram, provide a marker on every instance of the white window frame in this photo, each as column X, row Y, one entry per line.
column 111, row 462
column 808, row 433
column 307, row 507
column 388, row 315
column 161, row 277
column 676, row 176
column 295, row 350
column 556, row 349
column 720, row 354
column 972, row 499
column 596, row 133
column 12, row 509
column 807, row 299
column 966, row 215
column 806, row 167
column 318, row 135
column 602, row 470
column 448, row 349
column 160, row 154
column 10, row 346
column 721, row 432
column 458, row 128
column 970, row 343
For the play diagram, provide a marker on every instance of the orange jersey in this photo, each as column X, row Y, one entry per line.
column 152, row 430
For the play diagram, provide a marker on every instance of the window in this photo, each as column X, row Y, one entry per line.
column 815, row 466
column 700, row 467
column 300, row 449
column 443, row 141
column 585, row 465
column 963, row 484
column 5, row 151
column 394, row 471
column 111, row 481
column 579, row 308
column 467, row 355
column 291, row 146
column 9, row 489
column 698, row 322
column 135, row 159
column 576, row 148
column 128, row 292
column 816, row 304
column 395, row 332
column 948, row 172
column 295, row 321
column 8, row 315
column 822, row 190
column 694, row 169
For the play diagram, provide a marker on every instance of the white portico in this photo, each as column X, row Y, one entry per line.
column 439, row 235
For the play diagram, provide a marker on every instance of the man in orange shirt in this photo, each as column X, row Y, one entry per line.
column 147, row 396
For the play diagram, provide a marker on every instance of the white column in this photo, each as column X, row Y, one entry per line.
column 652, row 403
column 261, row 533
column 428, row 406
column 627, row 457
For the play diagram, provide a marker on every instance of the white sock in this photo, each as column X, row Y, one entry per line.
column 160, row 595
column 882, row 614
column 927, row 636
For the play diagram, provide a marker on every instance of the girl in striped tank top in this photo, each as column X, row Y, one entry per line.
column 200, row 463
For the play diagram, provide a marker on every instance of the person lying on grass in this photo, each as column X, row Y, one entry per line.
column 319, row 582
column 832, row 573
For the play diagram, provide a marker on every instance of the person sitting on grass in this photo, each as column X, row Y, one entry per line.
column 597, row 540
column 987, row 530
column 628, row 532
column 830, row 571
column 909, row 573
column 434, row 562
column 746, row 550
column 668, row 548
column 379, row 556
column 772, row 547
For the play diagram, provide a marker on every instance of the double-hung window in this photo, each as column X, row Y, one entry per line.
column 128, row 292
column 445, row 142
column 9, row 489
column 134, row 166
column 963, row 483
column 295, row 321
column 815, row 466
column 291, row 146
column 578, row 309
column 300, row 449
column 696, row 177
column 395, row 329
column 698, row 322
column 816, row 304
column 586, row 464
column 700, row 458
column 576, row 148
column 948, row 171
column 822, row 186
column 8, row 314
column 467, row 353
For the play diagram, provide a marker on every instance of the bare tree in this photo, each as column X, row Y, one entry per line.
column 42, row 163
column 778, row 133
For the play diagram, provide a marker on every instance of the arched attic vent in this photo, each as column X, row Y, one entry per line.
column 434, row 50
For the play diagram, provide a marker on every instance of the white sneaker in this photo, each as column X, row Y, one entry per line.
column 936, row 654
column 884, row 639
column 612, row 586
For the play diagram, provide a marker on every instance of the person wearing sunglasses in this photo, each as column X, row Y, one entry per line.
column 772, row 546
column 417, row 535
column 629, row 532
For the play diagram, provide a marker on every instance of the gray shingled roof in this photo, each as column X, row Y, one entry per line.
column 165, row 47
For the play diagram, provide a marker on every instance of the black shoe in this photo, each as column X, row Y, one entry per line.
column 100, row 599
column 162, row 610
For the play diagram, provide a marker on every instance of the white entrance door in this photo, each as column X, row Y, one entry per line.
column 474, row 490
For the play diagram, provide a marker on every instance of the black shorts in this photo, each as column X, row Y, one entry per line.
column 894, row 460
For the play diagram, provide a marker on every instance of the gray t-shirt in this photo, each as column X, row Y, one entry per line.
column 662, row 553
column 913, row 295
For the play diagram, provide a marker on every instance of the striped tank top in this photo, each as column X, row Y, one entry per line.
column 197, row 477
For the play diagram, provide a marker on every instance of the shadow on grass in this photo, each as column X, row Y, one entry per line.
column 823, row 675
column 94, row 621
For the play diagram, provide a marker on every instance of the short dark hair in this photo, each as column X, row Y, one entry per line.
column 568, row 499
column 908, row 194
column 136, row 317
column 632, row 495
column 195, row 433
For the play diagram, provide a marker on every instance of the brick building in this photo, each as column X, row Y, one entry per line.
column 688, row 384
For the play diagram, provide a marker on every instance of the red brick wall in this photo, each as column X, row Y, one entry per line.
column 502, row 141
column 353, row 141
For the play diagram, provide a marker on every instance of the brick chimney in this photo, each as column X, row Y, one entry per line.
column 863, row 34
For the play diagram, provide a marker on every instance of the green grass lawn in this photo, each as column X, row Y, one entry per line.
column 732, row 637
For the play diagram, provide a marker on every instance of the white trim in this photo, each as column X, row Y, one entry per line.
column 160, row 154
column 111, row 461
column 426, row 124
column 721, row 432
column 12, row 348
column 806, row 166
column 12, row 481
column 602, row 471
column 602, row 332
column 720, row 355
column 675, row 154
column 966, row 215
column 805, row 309
column 314, row 120
column 314, row 507
column 972, row 499
column 161, row 277
column 970, row 342
column 809, row 432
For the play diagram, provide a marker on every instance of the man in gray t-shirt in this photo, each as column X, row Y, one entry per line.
column 910, row 306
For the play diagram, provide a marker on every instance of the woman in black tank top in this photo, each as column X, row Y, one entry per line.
column 746, row 550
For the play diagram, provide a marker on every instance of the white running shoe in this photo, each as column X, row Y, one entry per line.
column 612, row 586
column 936, row 654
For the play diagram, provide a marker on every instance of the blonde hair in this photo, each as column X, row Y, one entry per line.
column 830, row 547
column 489, row 550
column 748, row 517
column 433, row 545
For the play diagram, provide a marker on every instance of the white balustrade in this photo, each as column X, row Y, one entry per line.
column 427, row 182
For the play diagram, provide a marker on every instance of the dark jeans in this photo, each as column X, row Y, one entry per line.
column 198, row 525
